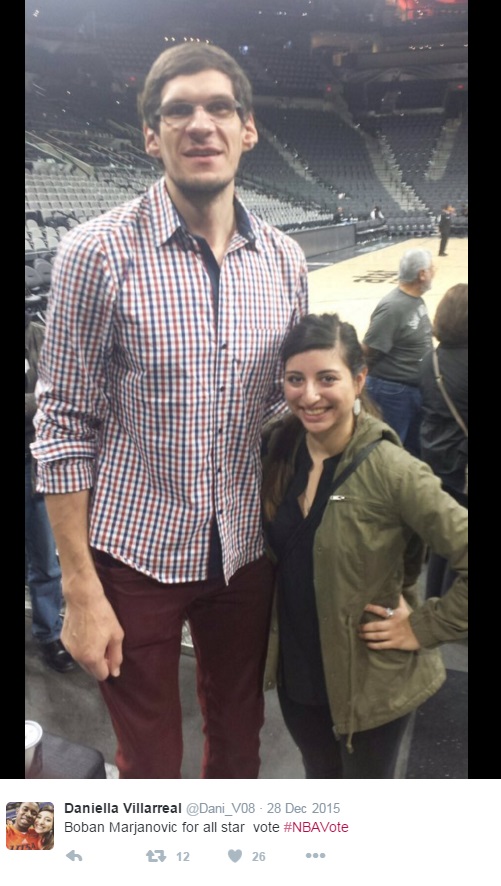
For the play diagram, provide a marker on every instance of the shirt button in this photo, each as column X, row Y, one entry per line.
column 219, row 470
column 220, row 431
column 221, row 388
column 223, row 347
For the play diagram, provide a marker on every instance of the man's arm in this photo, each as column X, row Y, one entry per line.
column 91, row 632
column 72, row 369
column 381, row 333
column 371, row 355
column 71, row 405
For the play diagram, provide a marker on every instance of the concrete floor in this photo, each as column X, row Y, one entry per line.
column 70, row 705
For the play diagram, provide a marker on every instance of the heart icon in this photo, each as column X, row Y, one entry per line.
column 235, row 854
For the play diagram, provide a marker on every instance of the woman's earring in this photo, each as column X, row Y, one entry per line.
column 356, row 407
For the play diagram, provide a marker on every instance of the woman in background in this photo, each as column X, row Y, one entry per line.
column 444, row 445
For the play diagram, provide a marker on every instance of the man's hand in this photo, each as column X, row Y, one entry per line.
column 393, row 631
column 91, row 632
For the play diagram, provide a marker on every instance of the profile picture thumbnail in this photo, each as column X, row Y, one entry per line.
column 30, row 825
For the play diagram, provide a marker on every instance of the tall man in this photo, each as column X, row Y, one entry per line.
column 398, row 337
column 161, row 365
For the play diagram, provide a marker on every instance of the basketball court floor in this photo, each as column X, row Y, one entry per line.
column 352, row 285
column 435, row 746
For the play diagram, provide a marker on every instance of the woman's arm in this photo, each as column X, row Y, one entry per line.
column 442, row 524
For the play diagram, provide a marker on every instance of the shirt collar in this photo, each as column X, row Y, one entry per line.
column 167, row 221
column 243, row 222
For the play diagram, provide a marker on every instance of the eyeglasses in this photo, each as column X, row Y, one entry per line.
column 177, row 114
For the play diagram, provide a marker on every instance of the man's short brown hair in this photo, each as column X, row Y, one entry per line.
column 190, row 58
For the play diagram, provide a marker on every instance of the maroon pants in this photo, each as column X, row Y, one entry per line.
column 229, row 629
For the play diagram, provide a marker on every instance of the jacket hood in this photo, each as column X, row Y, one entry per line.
column 368, row 429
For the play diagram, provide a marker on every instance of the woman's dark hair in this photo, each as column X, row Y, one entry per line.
column 317, row 332
column 48, row 839
column 450, row 324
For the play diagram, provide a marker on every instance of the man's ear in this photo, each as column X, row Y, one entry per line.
column 250, row 135
column 151, row 142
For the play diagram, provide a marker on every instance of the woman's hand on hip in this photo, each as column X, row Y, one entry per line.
column 392, row 630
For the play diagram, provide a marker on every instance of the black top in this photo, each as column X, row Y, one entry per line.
column 445, row 222
column 301, row 669
column 444, row 446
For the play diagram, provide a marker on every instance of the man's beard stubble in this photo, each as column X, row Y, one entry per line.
column 193, row 189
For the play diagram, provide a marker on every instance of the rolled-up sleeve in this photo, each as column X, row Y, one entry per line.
column 71, row 387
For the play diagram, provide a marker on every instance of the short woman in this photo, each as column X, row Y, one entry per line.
column 351, row 650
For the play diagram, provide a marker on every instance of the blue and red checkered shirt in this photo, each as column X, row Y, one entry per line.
column 153, row 393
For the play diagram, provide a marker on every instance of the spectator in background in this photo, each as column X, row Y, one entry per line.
column 444, row 226
column 42, row 564
column 376, row 214
column 398, row 337
column 339, row 216
column 444, row 445
column 161, row 366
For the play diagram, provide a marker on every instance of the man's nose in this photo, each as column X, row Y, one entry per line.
column 200, row 119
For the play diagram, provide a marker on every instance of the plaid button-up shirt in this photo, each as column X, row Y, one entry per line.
column 153, row 396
